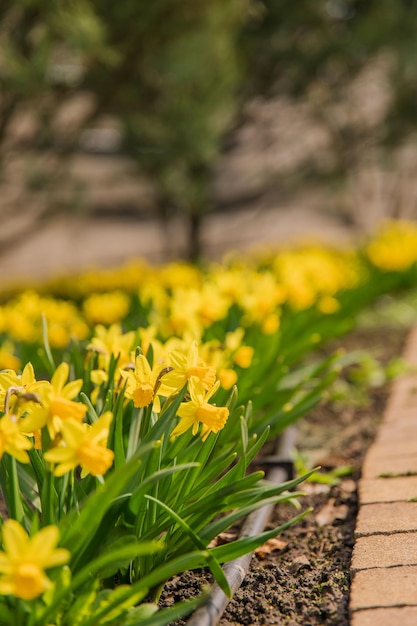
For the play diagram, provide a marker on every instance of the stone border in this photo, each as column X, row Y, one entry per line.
column 384, row 559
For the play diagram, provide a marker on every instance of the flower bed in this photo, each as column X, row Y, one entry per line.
column 134, row 401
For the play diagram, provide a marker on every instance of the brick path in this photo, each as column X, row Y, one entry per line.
column 384, row 561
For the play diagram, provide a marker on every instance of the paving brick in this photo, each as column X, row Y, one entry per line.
column 394, row 432
column 375, row 465
column 380, row 587
column 373, row 490
column 405, row 416
column 410, row 348
column 385, row 449
column 396, row 616
column 403, row 392
column 386, row 518
column 384, row 551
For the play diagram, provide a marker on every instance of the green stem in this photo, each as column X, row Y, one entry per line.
column 16, row 505
column 48, row 497
column 134, row 433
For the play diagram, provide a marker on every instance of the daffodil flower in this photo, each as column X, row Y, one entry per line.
column 185, row 365
column 12, row 441
column 26, row 382
column 198, row 411
column 25, row 558
column 143, row 383
column 56, row 404
column 108, row 341
column 83, row 445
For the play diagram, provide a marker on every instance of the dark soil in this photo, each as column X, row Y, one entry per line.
column 304, row 579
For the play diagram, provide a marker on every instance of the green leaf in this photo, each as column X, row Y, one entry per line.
column 97, row 566
column 165, row 617
column 240, row 547
column 47, row 348
column 91, row 412
column 78, row 529
column 81, row 608
column 214, row 566
column 156, row 477
column 160, row 574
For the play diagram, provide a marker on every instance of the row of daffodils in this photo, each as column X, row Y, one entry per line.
column 133, row 403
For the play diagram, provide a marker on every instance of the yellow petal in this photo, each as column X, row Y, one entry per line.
column 44, row 541
column 72, row 389
column 15, row 539
column 28, row 375
column 60, row 376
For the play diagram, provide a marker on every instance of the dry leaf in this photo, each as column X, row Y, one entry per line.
column 272, row 545
column 221, row 539
column 331, row 512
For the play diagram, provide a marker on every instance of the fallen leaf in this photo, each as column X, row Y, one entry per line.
column 221, row 539
column 331, row 512
column 272, row 545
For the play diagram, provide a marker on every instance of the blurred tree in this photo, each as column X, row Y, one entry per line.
column 315, row 52
column 176, row 89
column 176, row 73
column 45, row 48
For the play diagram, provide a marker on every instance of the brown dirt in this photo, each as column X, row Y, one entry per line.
column 305, row 581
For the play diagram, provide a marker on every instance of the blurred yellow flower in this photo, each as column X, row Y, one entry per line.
column 83, row 445
column 25, row 558
column 243, row 356
column 106, row 308
column 328, row 305
column 198, row 411
column 394, row 247
column 112, row 341
column 227, row 378
column 271, row 324
column 12, row 441
column 57, row 404
column 22, row 319
column 8, row 359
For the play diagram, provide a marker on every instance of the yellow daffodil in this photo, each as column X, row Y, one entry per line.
column 24, row 560
column 262, row 297
column 394, row 248
column 198, row 411
column 57, row 404
column 185, row 365
column 12, row 441
column 106, row 308
column 22, row 319
column 25, row 383
column 112, row 340
column 243, row 356
column 107, row 342
column 227, row 378
column 83, row 445
column 271, row 324
column 8, row 360
column 143, row 383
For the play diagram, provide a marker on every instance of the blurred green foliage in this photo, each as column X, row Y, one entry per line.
column 176, row 74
